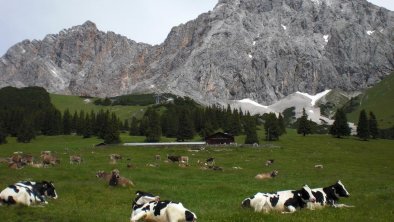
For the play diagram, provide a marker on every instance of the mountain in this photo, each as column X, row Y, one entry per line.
column 258, row 49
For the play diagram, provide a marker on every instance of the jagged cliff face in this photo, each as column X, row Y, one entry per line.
column 260, row 49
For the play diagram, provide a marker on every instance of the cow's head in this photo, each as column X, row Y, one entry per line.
column 49, row 189
column 274, row 173
column 142, row 197
column 306, row 194
column 247, row 202
column 340, row 190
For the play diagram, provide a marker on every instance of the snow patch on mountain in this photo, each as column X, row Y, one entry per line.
column 314, row 98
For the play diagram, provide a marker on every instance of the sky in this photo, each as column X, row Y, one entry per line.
column 147, row 21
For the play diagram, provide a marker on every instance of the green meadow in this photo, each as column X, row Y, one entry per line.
column 76, row 103
column 366, row 168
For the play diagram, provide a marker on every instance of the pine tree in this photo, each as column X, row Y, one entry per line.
column 126, row 125
column 271, row 127
column 153, row 131
column 373, row 126
column 74, row 122
column 250, row 130
column 112, row 135
column 362, row 126
column 281, row 124
column 340, row 126
column 25, row 132
column 3, row 134
column 87, row 129
column 67, row 122
column 304, row 127
column 134, row 130
column 169, row 122
column 206, row 130
column 186, row 128
column 80, row 123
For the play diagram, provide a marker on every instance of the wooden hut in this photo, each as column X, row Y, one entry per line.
column 219, row 138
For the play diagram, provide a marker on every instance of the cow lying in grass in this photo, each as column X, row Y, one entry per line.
column 114, row 178
column 147, row 207
column 329, row 196
column 28, row 193
column 263, row 176
column 283, row 201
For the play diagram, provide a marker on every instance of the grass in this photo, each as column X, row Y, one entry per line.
column 379, row 100
column 364, row 167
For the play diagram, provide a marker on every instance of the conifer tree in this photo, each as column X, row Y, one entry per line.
column 362, row 126
column 134, row 129
column 74, row 122
column 304, row 126
column 373, row 126
column 25, row 132
column 153, row 131
column 281, row 124
column 271, row 127
column 112, row 135
column 3, row 134
column 126, row 125
column 67, row 122
column 87, row 129
column 250, row 130
column 340, row 126
column 80, row 123
column 186, row 128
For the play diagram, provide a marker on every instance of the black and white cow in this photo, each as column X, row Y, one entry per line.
column 329, row 196
column 283, row 201
column 147, row 207
column 27, row 193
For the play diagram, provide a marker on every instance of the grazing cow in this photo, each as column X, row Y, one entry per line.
column 263, row 176
column 284, row 201
column 173, row 158
column 28, row 192
column 148, row 207
column 75, row 159
column 329, row 196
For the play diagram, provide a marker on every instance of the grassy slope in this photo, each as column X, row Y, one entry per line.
column 365, row 167
column 76, row 103
column 380, row 100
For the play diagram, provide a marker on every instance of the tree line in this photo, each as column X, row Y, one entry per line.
column 28, row 112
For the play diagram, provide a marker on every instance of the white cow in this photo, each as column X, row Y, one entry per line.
column 283, row 201
column 147, row 207
column 27, row 193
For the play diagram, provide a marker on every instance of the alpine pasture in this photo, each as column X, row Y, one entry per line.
column 364, row 167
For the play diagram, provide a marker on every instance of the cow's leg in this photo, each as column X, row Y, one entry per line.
column 290, row 209
column 342, row 206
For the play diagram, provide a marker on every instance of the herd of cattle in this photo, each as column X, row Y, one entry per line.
column 148, row 207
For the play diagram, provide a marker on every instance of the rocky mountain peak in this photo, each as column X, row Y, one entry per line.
column 257, row 49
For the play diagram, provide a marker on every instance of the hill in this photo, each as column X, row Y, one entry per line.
column 77, row 103
column 380, row 100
